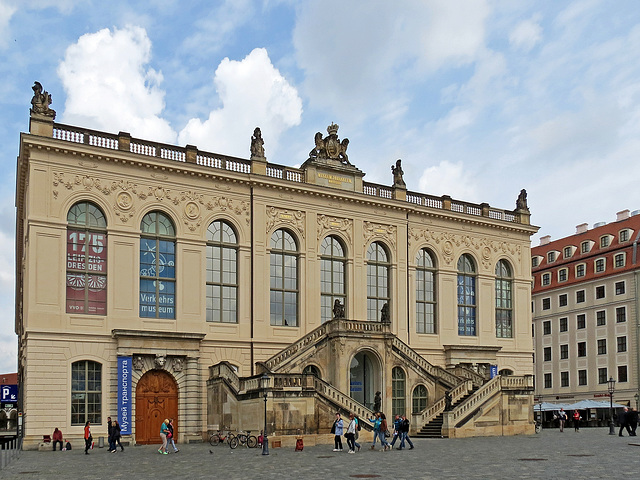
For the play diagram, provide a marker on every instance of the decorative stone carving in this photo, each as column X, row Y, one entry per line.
column 295, row 219
column 160, row 360
column 377, row 230
column 521, row 202
column 40, row 101
column 330, row 146
column 338, row 309
column 398, row 180
column 385, row 316
column 124, row 201
column 138, row 363
column 178, row 364
column 257, row 145
column 332, row 224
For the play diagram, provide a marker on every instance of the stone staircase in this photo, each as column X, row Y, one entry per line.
column 433, row 429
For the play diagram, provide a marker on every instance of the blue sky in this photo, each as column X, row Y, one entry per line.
column 479, row 98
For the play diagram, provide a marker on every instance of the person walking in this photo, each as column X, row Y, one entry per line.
column 337, row 429
column 87, row 437
column 379, row 431
column 112, row 446
column 623, row 418
column 358, row 428
column 576, row 420
column 397, row 421
column 164, row 429
column 404, row 432
column 633, row 421
column 116, row 437
column 171, row 436
column 351, row 433
column 562, row 418
column 57, row 438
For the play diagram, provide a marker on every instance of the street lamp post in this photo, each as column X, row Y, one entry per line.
column 612, row 388
column 265, row 440
column 637, row 397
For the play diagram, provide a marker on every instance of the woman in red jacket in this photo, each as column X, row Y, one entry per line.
column 87, row 437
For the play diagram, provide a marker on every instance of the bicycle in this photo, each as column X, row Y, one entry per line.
column 218, row 437
column 245, row 439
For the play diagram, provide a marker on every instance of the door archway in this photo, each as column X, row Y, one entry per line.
column 156, row 399
column 364, row 378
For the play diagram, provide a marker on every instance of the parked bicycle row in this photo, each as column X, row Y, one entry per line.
column 235, row 439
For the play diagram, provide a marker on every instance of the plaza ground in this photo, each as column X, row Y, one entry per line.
column 591, row 453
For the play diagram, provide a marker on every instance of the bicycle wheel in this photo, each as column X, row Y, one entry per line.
column 234, row 442
column 252, row 442
column 230, row 437
column 214, row 439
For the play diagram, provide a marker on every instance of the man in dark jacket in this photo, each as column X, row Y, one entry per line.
column 632, row 420
column 112, row 444
column 623, row 419
column 404, row 431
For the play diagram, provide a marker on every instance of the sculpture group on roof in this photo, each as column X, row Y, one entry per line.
column 330, row 147
column 41, row 101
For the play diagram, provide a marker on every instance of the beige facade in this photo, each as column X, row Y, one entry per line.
column 60, row 167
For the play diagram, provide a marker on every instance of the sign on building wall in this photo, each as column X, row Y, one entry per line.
column 124, row 394
column 9, row 393
column 86, row 272
column 493, row 370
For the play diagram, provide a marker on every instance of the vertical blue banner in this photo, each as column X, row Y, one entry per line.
column 124, row 395
column 494, row 370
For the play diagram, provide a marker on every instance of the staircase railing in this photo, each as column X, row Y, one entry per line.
column 304, row 342
column 436, row 372
column 465, row 372
column 469, row 405
column 437, row 408
column 343, row 401
column 224, row 370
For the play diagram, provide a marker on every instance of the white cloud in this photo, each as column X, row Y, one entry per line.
column 252, row 93
column 6, row 12
column 109, row 86
column 449, row 178
column 526, row 34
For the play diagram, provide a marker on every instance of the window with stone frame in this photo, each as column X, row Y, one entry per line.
column 333, row 269
column 602, row 375
column 602, row 346
column 284, row 279
column 562, row 275
column 466, row 296
column 624, row 235
column 582, row 377
column 86, row 392
column 620, row 288
column 378, row 280
column 582, row 349
column 398, row 389
column 564, row 324
column 619, row 260
column 580, row 270
column 622, row 374
column 581, row 321
column 564, row 352
column 426, row 299
column 419, row 399
column 564, row 379
column 562, row 300
column 547, row 381
column 621, row 314
column 601, row 318
column 222, row 273
column 546, row 327
column 621, row 343
column 504, row 300
column 547, row 354
column 600, row 265
column 580, row 296
column 600, row 292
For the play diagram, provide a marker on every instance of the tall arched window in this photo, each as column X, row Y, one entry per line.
column 222, row 273
column 398, row 380
column 419, row 399
column 332, row 276
column 86, row 260
column 157, row 266
column 284, row 279
column 504, row 307
column 86, row 392
column 425, row 292
column 378, row 268
column 466, row 295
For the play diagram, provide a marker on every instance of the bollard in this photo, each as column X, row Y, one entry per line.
column 100, row 442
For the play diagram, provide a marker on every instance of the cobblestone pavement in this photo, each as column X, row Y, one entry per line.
column 591, row 453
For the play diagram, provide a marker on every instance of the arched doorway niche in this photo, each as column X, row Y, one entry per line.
column 365, row 377
column 156, row 400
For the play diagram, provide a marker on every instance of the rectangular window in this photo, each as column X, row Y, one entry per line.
column 601, row 318
column 86, row 272
column 547, row 380
column 621, row 344
column 582, row 377
column 547, row 354
column 562, row 275
column 580, row 296
column 600, row 292
column 534, row 262
column 600, row 265
column 624, row 235
column 620, row 288
column 546, row 303
column 621, row 314
column 546, row 327
column 551, row 257
column 622, row 374
column 562, row 300
column 602, row 346
column 604, row 241
column 564, row 352
column 567, row 252
column 86, row 392
column 564, row 379
column 546, row 279
column 564, row 324
column 580, row 270
column 602, row 375
column 619, row 260
column 582, row 349
column 581, row 321
column 584, row 247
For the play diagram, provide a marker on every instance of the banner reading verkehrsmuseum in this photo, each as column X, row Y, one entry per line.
column 124, row 395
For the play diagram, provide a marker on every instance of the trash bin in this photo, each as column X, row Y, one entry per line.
column 100, row 442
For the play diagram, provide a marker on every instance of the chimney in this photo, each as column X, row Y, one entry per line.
column 545, row 240
column 582, row 228
column 623, row 215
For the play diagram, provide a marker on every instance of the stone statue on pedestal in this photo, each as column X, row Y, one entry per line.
column 398, row 181
column 257, row 144
column 41, row 101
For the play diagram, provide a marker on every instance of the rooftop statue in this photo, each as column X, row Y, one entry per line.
column 330, row 147
column 41, row 101
column 521, row 202
column 338, row 309
column 257, row 144
column 398, row 181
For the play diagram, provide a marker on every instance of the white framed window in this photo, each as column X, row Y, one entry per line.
column 567, row 252
column 581, row 270
column 623, row 235
column 563, row 274
column 551, row 257
column 546, row 279
column 619, row 260
column 585, row 247
column 599, row 265
column 605, row 241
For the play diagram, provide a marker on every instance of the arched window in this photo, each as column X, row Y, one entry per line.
column 419, row 398
column 157, row 266
column 466, row 296
column 284, row 279
column 398, row 381
column 222, row 273
column 311, row 370
column 425, row 292
column 504, row 306
column 332, row 276
column 378, row 268
column 86, row 260
column 86, row 392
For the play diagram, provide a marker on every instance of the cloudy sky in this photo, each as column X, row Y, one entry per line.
column 479, row 98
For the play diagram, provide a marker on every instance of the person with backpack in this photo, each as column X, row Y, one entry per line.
column 379, row 430
column 337, row 429
column 351, row 433
column 396, row 429
column 116, row 437
column 404, row 433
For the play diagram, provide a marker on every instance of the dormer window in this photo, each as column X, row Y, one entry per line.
column 605, row 241
column 624, row 235
column 551, row 257
column 585, row 247
column 535, row 261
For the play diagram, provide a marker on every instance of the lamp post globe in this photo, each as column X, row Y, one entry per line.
column 611, row 388
column 265, row 440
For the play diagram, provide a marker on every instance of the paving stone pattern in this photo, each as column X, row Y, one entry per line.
column 591, row 453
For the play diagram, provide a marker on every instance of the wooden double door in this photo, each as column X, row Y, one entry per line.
column 156, row 400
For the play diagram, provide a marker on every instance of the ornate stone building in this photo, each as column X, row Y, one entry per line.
column 159, row 281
